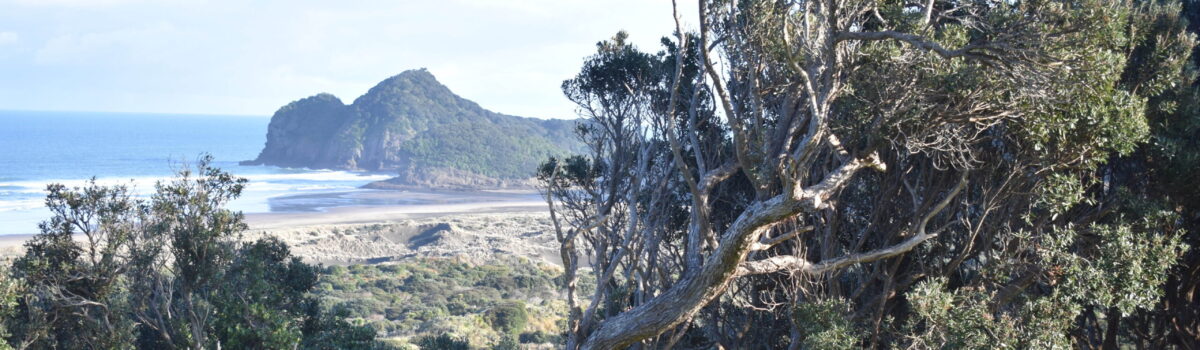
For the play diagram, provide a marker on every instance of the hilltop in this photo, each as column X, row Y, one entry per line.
column 414, row 126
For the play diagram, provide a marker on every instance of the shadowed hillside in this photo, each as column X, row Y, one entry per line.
column 417, row 127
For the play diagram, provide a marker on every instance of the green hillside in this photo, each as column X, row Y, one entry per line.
column 412, row 124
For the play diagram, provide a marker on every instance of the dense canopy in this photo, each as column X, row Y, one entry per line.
column 885, row 174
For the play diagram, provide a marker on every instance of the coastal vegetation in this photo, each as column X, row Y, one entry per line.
column 788, row 174
column 448, row 301
column 888, row 174
column 112, row 271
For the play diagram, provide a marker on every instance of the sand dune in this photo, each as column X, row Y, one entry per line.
column 472, row 237
column 474, row 231
column 374, row 214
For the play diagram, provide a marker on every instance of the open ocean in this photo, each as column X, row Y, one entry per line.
column 38, row 148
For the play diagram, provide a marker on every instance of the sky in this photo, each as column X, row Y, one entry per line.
column 250, row 57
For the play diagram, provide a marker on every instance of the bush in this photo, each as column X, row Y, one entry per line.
column 431, row 297
column 508, row 343
column 509, row 318
column 442, row 342
column 539, row 337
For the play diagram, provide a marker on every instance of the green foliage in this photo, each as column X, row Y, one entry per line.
column 451, row 132
column 73, row 292
column 332, row 331
column 442, row 342
column 624, row 69
column 263, row 291
column 509, row 342
column 1124, row 267
column 413, row 124
column 961, row 320
column 509, row 318
column 569, row 171
column 1073, row 126
column 502, row 151
column 167, row 273
column 825, row 325
column 539, row 337
column 10, row 291
column 430, row 297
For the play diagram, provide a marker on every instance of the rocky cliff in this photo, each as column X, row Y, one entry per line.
column 415, row 126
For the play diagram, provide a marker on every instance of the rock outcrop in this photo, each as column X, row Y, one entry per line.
column 413, row 125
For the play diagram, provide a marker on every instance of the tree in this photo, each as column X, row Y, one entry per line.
column 1158, row 177
column 10, row 291
column 73, row 295
column 183, row 256
column 263, row 293
column 877, row 155
column 509, row 318
column 111, row 271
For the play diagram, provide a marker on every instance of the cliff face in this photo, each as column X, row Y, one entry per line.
column 412, row 124
column 299, row 134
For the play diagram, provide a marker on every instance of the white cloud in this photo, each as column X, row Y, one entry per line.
column 8, row 38
column 251, row 57
column 131, row 45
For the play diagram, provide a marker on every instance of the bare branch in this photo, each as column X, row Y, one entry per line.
column 768, row 243
column 976, row 51
column 800, row 265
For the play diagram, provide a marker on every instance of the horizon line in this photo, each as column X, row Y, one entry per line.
column 136, row 113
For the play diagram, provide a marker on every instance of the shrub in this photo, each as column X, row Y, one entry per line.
column 509, row 318
column 442, row 342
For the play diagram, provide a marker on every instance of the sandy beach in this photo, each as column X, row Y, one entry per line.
column 385, row 213
column 11, row 245
column 471, row 225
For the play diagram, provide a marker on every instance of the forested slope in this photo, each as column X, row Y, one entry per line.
column 413, row 125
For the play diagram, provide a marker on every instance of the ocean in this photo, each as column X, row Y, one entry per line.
column 39, row 148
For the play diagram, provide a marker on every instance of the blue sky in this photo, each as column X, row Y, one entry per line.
column 251, row 57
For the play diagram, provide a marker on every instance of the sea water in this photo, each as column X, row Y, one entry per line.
column 39, row 148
